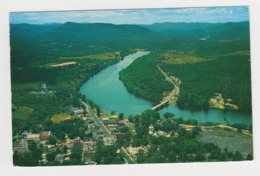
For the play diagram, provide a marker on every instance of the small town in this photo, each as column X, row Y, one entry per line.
column 116, row 133
column 106, row 129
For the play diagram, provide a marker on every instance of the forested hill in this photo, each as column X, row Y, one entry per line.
column 76, row 39
column 31, row 29
column 100, row 31
column 120, row 36
column 213, row 30
column 208, row 58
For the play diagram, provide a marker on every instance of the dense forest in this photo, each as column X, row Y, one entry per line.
column 207, row 65
column 143, row 79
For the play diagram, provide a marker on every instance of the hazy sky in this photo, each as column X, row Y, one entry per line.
column 146, row 16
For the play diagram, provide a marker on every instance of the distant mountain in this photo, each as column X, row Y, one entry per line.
column 50, row 41
column 36, row 43
column 214, row 30
column 31, row 29
column 98, row 32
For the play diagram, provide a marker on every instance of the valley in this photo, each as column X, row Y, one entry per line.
column 59, row 71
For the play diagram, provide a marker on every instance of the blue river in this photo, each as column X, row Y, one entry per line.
column 106, row 90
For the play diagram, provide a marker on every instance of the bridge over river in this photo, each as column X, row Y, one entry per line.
column 174, row 94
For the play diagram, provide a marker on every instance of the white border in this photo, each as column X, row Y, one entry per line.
column 192, row 169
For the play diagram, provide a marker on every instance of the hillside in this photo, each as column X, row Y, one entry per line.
column 93, row 36
column 31, row 29
column 76, row 39
column 63, row 56
column 208, row 65
column 99, row 32
column 212, row 30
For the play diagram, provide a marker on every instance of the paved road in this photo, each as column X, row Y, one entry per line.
column 98, row 122
column 107, row 132
column 172, row 95
column 126, row 155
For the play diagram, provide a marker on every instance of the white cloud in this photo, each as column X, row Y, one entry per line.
column 145, row 16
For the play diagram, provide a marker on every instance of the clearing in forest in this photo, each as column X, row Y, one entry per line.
column 100, row 56
column 60, row 117
column 63, row 64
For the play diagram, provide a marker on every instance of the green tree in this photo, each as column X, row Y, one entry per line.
column 51, row 156
column 200, row 156
column 121, row 116
column 238, row 156
column 52, row 140
column 76, row 151
column 141, row 158
column 172, row 157
column 168, row 115
column 98, row 110
column 249, row 157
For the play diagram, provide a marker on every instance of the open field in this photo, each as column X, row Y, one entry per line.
column 60, row 117
column 101, row 56
column 63, row 64
column 239, row 53
column 22, row 112
column 173, row 57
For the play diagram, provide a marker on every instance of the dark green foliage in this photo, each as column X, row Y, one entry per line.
column 121, row 116
column 51, row 156
column 143, row 79
column 238, row 156
column 168, row 115
column 76, row 152
column 214, row 30
column 149, row 116
column 52, row 140
column 31, row 29
column 249, row 157
column 107, row 155
column 74, row 128
column 223, row 71
column 207, row 78
column 30, row 158
column 169, row 125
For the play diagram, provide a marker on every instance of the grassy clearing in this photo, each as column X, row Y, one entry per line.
column 60, row 117
column 63, row 64
column 22, row 112
column 113, row 116
column 171, row 57
column 238, row 54
column 101, row 56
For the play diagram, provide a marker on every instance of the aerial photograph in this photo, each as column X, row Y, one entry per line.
column 131, row 86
